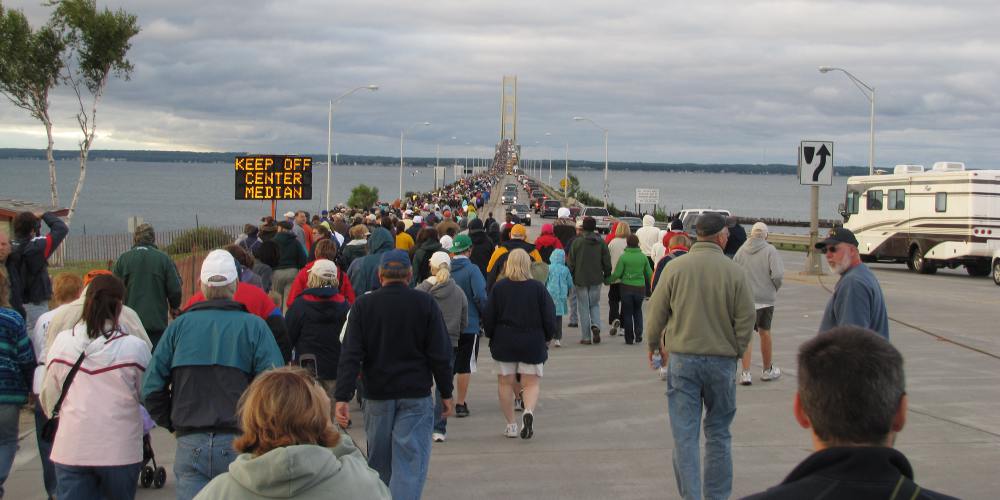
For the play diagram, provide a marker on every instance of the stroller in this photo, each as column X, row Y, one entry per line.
column 151, row 475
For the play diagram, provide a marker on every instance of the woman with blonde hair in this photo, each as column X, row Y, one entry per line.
column 289, row 447
column 455, row 310
column 520, row 320
column 616, row 246
column 314, row 322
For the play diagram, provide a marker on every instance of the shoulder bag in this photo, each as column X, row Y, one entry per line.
column 52, row 425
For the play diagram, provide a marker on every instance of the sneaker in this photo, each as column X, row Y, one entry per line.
column 511, row 431
column 586, row 342
column 770, row 374
column 438, row 437
column 638, row 340
column 615, row 325
column 462, row 410
column 663, row 373
column 526, row 431
column 745, row 378
column 558, row 343
column 519, row 402
column 573, row 325
column 595, row 334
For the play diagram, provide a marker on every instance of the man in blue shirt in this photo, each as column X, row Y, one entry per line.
column 857, row 299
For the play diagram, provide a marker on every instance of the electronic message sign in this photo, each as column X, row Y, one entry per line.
column 273, row 177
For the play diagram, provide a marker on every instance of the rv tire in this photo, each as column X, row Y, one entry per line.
column 996, row 272
column 919, row 264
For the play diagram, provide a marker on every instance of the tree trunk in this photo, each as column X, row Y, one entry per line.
column 84, row 150
column 52, row 161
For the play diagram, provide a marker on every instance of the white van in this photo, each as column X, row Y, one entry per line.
column 690, row 215
column 943, row 217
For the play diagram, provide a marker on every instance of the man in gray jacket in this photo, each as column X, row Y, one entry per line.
column 765, row 270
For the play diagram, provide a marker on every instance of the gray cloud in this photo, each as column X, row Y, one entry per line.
column 712, row 81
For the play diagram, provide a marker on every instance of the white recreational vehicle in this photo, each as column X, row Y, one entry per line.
column 943, row 217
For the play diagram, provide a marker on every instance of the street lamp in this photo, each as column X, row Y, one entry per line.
column 329, row 133
column 592, row 122
column 869, row 92
column 402, row 134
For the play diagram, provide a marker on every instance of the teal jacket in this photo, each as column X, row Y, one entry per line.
column 152, row 282
column 632, row 269
column 302, row 472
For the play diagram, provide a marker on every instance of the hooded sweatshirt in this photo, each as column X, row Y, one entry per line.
column 422, row 259
column 363, row 272
column 547, row 242
column 560, row 280
column 467, row 276
column 764, row 269
column 299, row 471
column 454, row 306
column 648, row 235
column 589, row 260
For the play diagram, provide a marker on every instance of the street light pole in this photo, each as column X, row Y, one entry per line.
column 402, row 134
column 870, row 94
column 566, row 175
column 605, row 131
column 329, row 134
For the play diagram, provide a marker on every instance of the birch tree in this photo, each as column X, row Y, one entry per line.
column 30, row 65
column 97, row 43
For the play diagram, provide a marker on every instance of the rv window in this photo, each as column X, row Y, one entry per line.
column 874, row 199
column 852, row 201
column 897, row 199
column 941, row 202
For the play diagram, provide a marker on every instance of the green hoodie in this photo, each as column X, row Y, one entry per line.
column 301, row 471
column 632, row 269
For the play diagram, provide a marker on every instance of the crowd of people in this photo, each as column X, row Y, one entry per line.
column 255, row 374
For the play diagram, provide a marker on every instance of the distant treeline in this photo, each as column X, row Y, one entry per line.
column 194, row 157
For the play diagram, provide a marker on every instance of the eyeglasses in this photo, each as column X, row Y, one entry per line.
column 830, row 249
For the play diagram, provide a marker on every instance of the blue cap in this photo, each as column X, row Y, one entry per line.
column 395, row 259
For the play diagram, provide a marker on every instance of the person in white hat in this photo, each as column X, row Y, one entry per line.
column 206, row 356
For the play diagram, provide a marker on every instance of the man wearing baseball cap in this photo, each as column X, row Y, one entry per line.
column 205, row 360
column 857, row 299
column 398, row 334
column 467, row 276
column 518, row 239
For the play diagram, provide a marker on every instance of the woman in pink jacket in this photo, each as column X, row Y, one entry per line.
column 97, row 450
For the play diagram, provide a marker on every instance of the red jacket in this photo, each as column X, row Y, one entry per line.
column 299, row 284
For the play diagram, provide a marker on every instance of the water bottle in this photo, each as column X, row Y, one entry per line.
column 657, row 360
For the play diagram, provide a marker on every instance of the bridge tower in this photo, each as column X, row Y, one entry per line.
column 508, row 151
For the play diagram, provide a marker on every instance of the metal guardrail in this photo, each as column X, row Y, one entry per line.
column 779, row 239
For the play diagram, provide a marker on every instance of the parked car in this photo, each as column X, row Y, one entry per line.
column 550, row 208
column 601, row 215
column 689, row 216
column 522, row 212
column 634, row 223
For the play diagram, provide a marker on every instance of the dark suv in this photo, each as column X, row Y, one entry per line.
column 551, row 208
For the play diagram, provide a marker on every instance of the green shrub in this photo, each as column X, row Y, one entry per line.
column 205, row 238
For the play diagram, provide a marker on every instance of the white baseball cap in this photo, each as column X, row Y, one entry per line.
column 446, row 241
column 324, row 268
column 289, row 214
column 439, row 258
column 219, row 269
column 563, row 212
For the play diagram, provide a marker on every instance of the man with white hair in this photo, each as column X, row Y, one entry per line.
column 765, row 270
column 205, row 360
column 857, row 299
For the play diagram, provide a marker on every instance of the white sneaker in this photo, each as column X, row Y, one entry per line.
column 511, row 431
column 745, row 378
column 558, row 343
column 437, row 437
column 770, row 374
column 663, row 373
column 615, row 325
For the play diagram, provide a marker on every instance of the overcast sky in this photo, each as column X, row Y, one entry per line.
column 673, row 81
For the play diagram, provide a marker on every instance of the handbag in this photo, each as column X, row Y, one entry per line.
column 50, row 427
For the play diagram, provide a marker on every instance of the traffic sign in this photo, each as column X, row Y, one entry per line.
column 647, row 195
column 816, row 163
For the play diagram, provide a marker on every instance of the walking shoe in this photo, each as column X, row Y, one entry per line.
column 745, row 378
column 519, row 402
column 526, row 431
column 638, row 340
column 462, row 410
column 770, row 374
column 586, row 342
column 615, row 325
column 438, row 437
column 558, row 343
column 511, row 431
column 595, row 334
column 573, row 325
column 663, row 373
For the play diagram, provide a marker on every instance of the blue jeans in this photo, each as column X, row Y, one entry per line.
column 399, row 443
column 693, row 381
column 632, row 315
column 571, row 299
column 9, row 418
column 441, row 424
column 97, row 483
column 44, row 452
column 200, row 457
column 34, row 311
column 588, row 299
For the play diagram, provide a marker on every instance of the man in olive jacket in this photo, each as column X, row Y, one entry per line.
column 705, row 302
column 590, row 262
column 151, row 281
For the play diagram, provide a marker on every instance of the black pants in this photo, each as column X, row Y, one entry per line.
column 614, row 303
column 154, row 337
column 632, row 314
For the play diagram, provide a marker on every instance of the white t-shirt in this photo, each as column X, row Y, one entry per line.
column 38, row 343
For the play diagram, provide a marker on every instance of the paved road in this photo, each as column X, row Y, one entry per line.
column 601, row 425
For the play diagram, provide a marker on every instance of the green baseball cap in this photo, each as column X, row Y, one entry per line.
column 460, row 244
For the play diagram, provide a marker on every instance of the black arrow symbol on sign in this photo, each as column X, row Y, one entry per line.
column 822, row 153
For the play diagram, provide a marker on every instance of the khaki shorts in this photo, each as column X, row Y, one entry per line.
column 504, row 368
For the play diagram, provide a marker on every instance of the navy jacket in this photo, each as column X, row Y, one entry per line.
column 857, row 473
column 520, row 318
column 30, row 258
column 396, row 338
column 314, row 322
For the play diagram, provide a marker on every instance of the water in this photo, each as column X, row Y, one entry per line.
column 174, row 195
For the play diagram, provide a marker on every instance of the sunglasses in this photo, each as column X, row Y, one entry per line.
column 830, row 249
